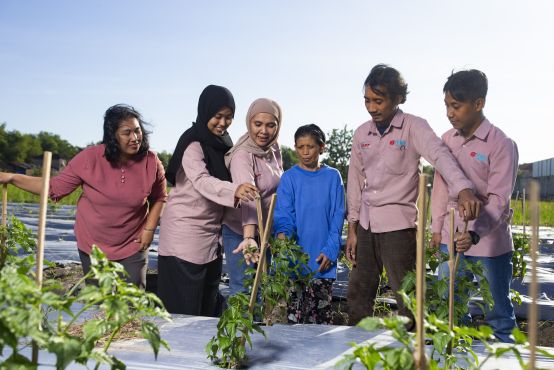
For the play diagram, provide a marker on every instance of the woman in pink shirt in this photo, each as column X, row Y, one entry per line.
column 255, row 159
column 124, row 192
column 190, row 258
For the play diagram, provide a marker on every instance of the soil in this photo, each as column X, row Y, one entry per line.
column 69, row 275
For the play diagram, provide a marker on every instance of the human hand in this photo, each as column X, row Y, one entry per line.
column 250, row 250
column 351, row 245
column 324, row 263
column 469, row 206
column 462, row 241
column 435, row 241
column 6, row 177
column 145, row 239
column 247, row 192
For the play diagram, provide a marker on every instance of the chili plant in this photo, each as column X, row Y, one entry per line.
column 233, row 331
column 29, row 313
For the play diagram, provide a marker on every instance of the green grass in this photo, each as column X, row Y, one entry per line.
column 546, row 215
column 16, row 195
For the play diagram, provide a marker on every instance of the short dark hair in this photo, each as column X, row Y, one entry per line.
column 112, row 119
column 384, row 75
column 311, row 129
column 468, row 85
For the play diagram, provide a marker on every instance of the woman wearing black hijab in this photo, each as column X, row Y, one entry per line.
column 190, row 260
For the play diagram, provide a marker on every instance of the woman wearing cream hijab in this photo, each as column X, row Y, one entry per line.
column 255, row 159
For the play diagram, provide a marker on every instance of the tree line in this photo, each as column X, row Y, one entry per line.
column 16, row 147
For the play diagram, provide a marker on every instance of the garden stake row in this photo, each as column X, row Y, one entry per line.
column 534, row 287
column 419, row 355
column 263, row 244
column 46, row 161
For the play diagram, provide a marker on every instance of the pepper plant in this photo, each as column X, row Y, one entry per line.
column 286, row 271
column 29, row 313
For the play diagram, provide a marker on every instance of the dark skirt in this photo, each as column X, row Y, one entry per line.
column 188, row 288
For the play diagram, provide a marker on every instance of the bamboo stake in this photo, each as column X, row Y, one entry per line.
column 46, row 161
column 523, row 210
column 3, row 248
column 419, row 356
column 451, row 265
column 260, row 228
column 534, row 287
column 263, row 247
column 458, row 254
column 4, row 204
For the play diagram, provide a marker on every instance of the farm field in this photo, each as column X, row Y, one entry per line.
column 61, row 247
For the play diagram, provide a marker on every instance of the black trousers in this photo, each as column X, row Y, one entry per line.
column 187, row 288
column 396, row 252
column 135, row 265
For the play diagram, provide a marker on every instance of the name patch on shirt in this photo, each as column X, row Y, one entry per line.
column 479, row 156
column 400, row 144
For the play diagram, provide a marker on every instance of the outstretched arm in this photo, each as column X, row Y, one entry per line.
column 31, row 184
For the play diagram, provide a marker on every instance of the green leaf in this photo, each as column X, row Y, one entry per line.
column 66, row 349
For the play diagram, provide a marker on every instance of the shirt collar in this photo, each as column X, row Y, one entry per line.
column 397, row 122
column 482, row 131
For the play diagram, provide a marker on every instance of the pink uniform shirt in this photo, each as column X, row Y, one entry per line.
column 263, row 172
column 489, row 159
column 112, row 210
column 384, row 170
column 191, row 224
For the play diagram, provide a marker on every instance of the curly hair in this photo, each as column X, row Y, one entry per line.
column 112, row 120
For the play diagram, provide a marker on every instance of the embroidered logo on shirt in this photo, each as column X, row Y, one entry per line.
column 364, row 145
column 400, row 144
column 479, row 156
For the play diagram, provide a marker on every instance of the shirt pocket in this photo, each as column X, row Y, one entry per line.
column 395, row 159
column 480, row 168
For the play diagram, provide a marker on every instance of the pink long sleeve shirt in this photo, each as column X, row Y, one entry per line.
column 263, row 172
column 191, row 224
column 489, row 159
column 384, row 170
column 113, row 207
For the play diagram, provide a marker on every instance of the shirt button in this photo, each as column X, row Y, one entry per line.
column 122, row 180
column 123, row 170
column 122, row 176
column 374, row 191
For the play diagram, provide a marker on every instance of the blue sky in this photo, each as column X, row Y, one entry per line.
column 63, row 63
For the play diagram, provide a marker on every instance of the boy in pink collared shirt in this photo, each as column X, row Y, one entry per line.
column 382, row 190
column 489, row 159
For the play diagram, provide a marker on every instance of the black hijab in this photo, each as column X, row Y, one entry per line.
column 211, row 101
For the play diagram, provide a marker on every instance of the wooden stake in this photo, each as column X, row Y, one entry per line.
column 260, row 228
column 4, row 204
column 534, row 287
column 523, row 210
column 3, row 248
column 46, row 161
column 419, row 356
column 263, row 247
column 451, row 265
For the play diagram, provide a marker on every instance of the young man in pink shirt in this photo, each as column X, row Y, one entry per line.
column 489, row 158
column 382, row 190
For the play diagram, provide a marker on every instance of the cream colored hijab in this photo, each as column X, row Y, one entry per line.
column 261, row 105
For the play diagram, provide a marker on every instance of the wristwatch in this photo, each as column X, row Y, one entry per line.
column 474, row 237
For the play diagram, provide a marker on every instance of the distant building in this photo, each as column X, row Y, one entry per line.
column 543, row 172
column 57, row 163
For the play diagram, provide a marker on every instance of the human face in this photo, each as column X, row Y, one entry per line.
column 219, row 123
column 129, row 138
column 308, row 151
column 465, row 116
column 381, row 107
column 263, row 128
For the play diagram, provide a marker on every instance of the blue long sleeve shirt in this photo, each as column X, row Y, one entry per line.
column 310, row 209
